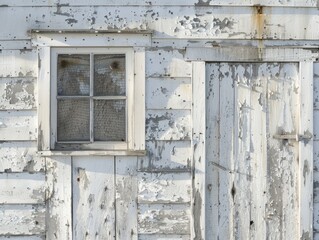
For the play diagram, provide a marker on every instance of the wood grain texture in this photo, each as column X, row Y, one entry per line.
column 93, row 197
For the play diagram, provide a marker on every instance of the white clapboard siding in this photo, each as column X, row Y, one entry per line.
column 18, row 63
column 167, row 63
column 35, row 3
column 22, row 188
column 126, row 198
column 193, row 23
column 20, row 157
column 22, row 220
column 22, row 237
column 59, row 204
column 168, row 125
column 15, row 44
column 164, row 219
column 18, row 125
column 164, row 187
column 17, row 93
column 93, row 197
column 166, row 156
column 168, row 93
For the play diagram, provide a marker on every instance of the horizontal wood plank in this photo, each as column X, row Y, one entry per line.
column 164, row 187
column 163, row 237
column 20, row 157
column 168, row 94
column 22, row 220
column 18, row 63
column 168, row 21
column 168, row 125
column 22, row 188
column 22, row 237
column 164, row 219
column 166, row 156
column 17, row 93
column 18, row 125
column 15, row 44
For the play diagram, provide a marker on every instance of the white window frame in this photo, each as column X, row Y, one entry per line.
column 135, row 96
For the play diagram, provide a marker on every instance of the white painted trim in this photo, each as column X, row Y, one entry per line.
column 306, row 151
column 248, row 54
column 92, row 153
column 199, row 150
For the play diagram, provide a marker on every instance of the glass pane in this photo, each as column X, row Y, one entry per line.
column 73, row 74
column 109, row 75
column 74, row 120
column 109, row 120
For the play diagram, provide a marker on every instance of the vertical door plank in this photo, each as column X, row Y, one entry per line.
column 126, row 197
column 93, row 198
column 282, row 155
column 226, row 158
column 306, row 151
column 242, row 74
column 198, row 143
column 258, row 151
column 59, row 210
column 212, row 150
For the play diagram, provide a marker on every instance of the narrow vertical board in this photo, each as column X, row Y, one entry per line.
column 242, row 74
column 226, row 161
column 44, row 98
column 306, row 151
column 126, row 197
column 93, row 197
column 258, row 152
column 58, row 215
column 282, row 155
column 199, row 154
column 22, row 220
column 212, row 150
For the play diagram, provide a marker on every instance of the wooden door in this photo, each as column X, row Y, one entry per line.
column 258, row 151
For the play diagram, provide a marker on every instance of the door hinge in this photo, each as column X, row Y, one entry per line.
column 296, row 137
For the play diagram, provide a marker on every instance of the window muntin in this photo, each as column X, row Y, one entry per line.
column 90, row 98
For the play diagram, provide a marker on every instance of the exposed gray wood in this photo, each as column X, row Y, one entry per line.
column 17, row 93
column 168, row 94
column 168, row 125
column 212, row 150
column 164, row 219
column 18, row 63
column 93, row 197
column 306, row 150
column 315, row 192
column 22, row 220
column 199, row 151
column 166, row 156
column 164, row 187
column 22, row 188
column 58, row 212
column 126, row 197
column 20, row 157
column 18, row 125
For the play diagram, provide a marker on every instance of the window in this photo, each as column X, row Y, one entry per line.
column 92, row 99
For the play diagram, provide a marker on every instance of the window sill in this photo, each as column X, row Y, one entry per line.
column 92, row 153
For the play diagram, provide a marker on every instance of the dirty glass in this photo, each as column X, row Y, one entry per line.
column 109, row 75
column 73, row 74
column 73, row 120
column 109, row 120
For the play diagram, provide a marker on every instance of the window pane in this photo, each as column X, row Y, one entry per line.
column 73, row 74
column 73, row 120
column 109, row 120
column 109, row 75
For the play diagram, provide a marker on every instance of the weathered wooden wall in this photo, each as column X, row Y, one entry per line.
column 146, row 197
